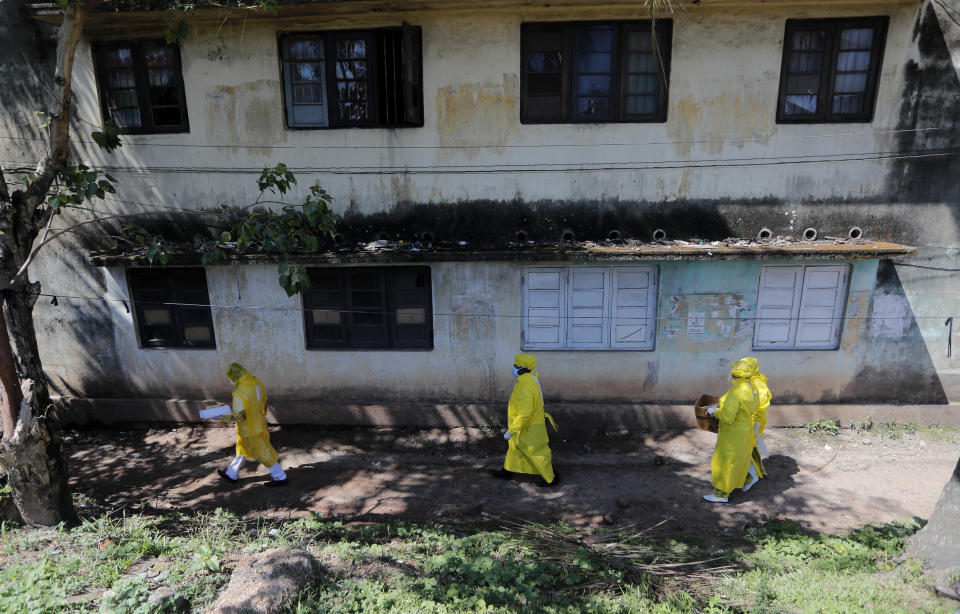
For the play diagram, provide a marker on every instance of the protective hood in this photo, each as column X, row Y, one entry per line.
column 235, row 372
column 745, row 367
column 527, row 361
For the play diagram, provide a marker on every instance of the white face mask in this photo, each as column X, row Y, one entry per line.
column 516, row 372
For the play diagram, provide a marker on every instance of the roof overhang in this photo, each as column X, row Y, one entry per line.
column 682, row 250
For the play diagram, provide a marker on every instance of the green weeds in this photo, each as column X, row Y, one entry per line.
column 824, row 426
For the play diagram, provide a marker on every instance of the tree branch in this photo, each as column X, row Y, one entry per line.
column 71, row 31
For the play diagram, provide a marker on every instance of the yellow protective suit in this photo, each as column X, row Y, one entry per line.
column 764, row 396
column 735, row 439
column 529, row 449
column 249, row 412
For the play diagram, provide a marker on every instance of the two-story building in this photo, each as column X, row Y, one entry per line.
column 636, row 202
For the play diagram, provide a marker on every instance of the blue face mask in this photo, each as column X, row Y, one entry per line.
column 516, row 371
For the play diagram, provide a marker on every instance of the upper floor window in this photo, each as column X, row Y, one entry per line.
column 353, row 78
column 830, row 69
column 172, row 307
column 367, row 307
column 595, row 72
column 589, row 307
column 141, row 88
column 800, row 307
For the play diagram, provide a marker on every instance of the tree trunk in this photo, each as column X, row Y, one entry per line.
column 33, row 463
column 938, row 543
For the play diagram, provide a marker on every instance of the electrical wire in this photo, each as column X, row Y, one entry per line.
column 520, row 145
column 549, row 167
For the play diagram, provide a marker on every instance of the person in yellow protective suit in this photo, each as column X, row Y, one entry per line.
column 759, row 418
column 528, row 445
column 249, row 411
column 735, row 440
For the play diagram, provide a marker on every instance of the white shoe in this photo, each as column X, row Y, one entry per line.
column 715, row 499
column 749, row 485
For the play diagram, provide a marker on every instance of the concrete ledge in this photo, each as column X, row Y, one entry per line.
column 570, row 416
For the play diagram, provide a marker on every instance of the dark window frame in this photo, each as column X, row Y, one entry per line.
column 404, row 72
column 341, row 298
column 176, row 292
column 828, row 68
column 568, row 70
column 141, row 80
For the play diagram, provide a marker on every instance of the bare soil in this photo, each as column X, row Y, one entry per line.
column 827, row 483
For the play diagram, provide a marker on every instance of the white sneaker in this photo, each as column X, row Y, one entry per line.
column 715, row 499
column 749, row 485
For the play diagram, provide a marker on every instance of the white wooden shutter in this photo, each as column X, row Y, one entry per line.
column 634, row 307
column 543, row 306
column 821, row 306
column 587, row 323
column 778, row 304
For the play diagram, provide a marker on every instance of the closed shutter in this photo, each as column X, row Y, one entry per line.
column 587, row 321
column 821, row 306
column 634, row 307
column 777, row 306
column 543, row 306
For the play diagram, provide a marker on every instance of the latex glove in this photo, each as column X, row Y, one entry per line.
column 507, row 435
column 711, row 411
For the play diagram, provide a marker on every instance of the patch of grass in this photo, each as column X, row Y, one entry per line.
column 792, row 570
column 400, row 567
column 824, row 426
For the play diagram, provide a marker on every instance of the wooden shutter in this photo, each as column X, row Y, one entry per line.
column 587, row 321
column 412, row 74
column 634, row 307
column 777, row 306
column 821, row 306
column 543, row 306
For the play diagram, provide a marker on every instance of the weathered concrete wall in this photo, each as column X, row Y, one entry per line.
column 473, row 171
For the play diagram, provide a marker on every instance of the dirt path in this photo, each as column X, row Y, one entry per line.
column 826, row 483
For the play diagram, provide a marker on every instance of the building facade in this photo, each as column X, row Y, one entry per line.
column 563, row 179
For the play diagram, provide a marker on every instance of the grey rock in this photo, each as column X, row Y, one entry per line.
column 165, row 594
column 267, row 582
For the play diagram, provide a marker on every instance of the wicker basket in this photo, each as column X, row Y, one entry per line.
column 705, row 422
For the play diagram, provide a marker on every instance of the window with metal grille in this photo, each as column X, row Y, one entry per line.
column 172, row 307
column 594, row 72
column 831, row 68
column 369, row 308
column 353, row 78
column 141, row 87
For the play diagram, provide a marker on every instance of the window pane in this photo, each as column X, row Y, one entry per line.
column 547, row 107
column 593, row 84
column 543, row 61
column 642, row 62
column 595, row 39
column 368, row 318
column 196, row 334
column 166, row 116
column 307, row 71
column 307, row 93
column 325, row 316
column 800, row 105
column 805, row 62
column 159, row 56
column 808, row 40
column 641, row 105
column 162, row 76
column 351, row 49
column 304, row 49
column 642, row 84
column 117, row 57
column 594, row 108
column 123, row 98
column 121, row 78
column 594, row 62
column 852, row 82
column 804, row 84
column 545, row 40
column 164, row 96
column 127, row 118
column 848, row 103
column 853, row 60
column 351, row 70
column 857, row 38
column 156, row 315
column 540, row 84
column 639, row 40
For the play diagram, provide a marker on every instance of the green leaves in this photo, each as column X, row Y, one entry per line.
column 293, row 278
column 109, row 139
column 158, row 249
column 76, row 184
column 278, row 179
